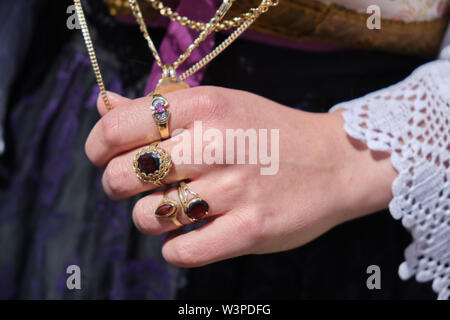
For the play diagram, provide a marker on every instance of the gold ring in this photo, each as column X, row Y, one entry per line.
column 160, row 114
column 168, row 209
column 152, row 164
column 195, row 208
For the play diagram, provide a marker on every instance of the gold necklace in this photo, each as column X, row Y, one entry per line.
column 170, row 81
column 91, row 52
column 222, row 26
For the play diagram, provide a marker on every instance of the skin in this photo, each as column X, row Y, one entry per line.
column 325, row 177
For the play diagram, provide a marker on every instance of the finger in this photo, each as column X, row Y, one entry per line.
column 120, row 180
column 132, row 125
column 220, row 194
column 115, row 99
column 225, row 237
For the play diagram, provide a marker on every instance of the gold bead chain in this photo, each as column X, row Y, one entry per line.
column 91, row 52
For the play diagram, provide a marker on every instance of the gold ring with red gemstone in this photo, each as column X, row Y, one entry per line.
column 168, row 209
column 160, row 114
column 152, row 164
column 195, row 207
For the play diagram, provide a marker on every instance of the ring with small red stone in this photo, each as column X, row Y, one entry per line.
column 168, row 209
column 160, row 114
column 152, row 164
column 196, row 208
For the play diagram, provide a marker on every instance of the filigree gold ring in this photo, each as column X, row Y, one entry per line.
column 152, row 164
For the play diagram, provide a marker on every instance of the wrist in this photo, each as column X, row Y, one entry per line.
column 363, row 177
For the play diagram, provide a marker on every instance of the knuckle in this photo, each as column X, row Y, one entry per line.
column 182, row 255
column 211, row 102
column 142, row 219
column 250, row 225
column 230, row 186
column 88, row 149
column 115, row 179
column 137, row 216
column 111, row 125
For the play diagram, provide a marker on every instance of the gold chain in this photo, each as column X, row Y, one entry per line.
column 207, row 59
column 91, row 51
column 205, row 28
column 224, row 25
column 226, row 4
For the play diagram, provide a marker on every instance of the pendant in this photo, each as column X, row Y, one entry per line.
column 166, row 85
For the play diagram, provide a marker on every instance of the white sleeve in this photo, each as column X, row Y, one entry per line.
column 411, row 119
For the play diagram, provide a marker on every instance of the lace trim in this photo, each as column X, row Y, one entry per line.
column 411, row 120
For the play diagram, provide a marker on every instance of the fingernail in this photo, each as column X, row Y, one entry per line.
column 115, row 97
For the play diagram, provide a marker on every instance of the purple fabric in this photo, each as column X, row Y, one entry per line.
column 178, row 38
column 52, row 203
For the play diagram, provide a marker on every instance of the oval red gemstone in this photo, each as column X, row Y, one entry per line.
column 148, row 163
column 197, row 209
column 165, row 209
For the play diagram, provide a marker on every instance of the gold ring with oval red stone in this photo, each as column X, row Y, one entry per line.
column 152, row 164
column 168, row 209
column 196, row 208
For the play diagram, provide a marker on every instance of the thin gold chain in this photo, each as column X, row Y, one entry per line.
column 199, row 26
column 218, row 50
column 91, row 52
column 262, row 8
column 135, row 8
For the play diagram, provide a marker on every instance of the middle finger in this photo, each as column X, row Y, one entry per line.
column 120, row 180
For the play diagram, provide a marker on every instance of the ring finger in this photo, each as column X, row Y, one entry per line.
column 220, row 193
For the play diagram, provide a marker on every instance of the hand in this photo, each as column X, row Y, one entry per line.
column 324, row 177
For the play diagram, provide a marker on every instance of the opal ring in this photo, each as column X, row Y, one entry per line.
column 160, row 114
column 196, row 208
column 152, row 164
column 168, row 209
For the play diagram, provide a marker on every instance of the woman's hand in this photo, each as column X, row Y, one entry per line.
column 324, row 177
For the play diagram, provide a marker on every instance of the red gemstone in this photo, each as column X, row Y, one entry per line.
column 159, row 108
column 197, row 209
column 165, row 209
column 148, row 163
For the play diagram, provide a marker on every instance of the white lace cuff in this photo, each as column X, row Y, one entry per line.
column 411, row 119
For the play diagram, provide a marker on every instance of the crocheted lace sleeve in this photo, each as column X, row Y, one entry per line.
column 411, row 119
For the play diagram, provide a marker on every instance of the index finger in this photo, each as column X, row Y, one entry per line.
column 115, row 100
column 132, row 125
